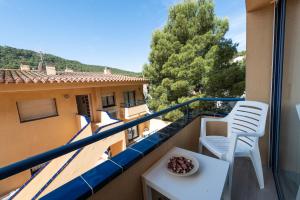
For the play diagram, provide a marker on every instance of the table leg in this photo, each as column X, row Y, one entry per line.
column 147, row 191
column 226, row 195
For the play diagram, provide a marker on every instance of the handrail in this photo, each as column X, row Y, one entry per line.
column 30, row 162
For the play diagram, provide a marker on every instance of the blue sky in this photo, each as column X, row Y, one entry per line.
column 115, row 33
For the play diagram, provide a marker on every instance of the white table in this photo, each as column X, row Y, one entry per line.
column 206, row 184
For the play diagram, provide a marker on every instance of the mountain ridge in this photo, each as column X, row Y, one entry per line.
column 11, row 58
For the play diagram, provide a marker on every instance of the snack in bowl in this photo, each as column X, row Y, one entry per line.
column 180, row 165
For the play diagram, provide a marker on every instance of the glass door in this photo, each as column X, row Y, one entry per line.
column 288, row 160
column 289, row 143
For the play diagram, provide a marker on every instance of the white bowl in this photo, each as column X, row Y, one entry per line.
column 194, row 162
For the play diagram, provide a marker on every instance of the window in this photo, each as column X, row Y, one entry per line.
column 108, row 101
column 132, row 133
column 129, row 99
column 36, row 109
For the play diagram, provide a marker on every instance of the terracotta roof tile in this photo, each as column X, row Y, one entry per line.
column 10, row 76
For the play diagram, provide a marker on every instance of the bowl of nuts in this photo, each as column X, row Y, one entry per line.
column 182, row 165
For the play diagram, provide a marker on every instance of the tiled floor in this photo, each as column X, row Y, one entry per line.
column 245, row 185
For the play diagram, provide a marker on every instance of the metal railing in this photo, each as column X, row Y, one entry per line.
column 30, row 162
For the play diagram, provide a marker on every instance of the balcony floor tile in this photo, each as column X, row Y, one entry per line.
column 245, row 185
column 244, row 182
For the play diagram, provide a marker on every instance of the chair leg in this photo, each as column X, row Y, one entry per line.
column 200, row 147
column 256, row 161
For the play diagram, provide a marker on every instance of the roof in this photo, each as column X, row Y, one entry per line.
column 16, row 76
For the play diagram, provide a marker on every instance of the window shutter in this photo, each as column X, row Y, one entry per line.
column 36, row 109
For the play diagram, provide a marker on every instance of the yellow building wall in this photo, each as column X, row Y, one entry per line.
column 35, row 185
column 253, row 5
column 85, row 160
column 21, row 140
column 29, row 138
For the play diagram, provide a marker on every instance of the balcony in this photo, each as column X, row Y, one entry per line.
column 134, row 110
column 120, row 176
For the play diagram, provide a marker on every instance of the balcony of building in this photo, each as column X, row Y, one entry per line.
column 120, row 176
column 134, row 109
column 268, row 79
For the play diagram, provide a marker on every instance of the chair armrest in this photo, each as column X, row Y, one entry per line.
column 209, row 119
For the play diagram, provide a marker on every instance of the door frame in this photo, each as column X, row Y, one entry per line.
column 276, row 99
column 90, row 104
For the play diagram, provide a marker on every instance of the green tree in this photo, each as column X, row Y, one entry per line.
column 190, row 57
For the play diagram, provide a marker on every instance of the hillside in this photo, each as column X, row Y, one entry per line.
column 12, row 58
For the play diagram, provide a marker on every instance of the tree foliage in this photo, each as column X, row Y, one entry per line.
column 190, row 57
column 11, row 58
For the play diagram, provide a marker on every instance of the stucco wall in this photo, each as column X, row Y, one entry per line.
column 21, row 140
column 35, row 185
column 252, row 5
column 136, row 111
column 259, row 63
column 85, row 160
column 29, row 138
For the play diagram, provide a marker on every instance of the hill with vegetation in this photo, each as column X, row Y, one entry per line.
column 11, row 58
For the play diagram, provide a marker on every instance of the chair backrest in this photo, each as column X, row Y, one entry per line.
column 248, row 117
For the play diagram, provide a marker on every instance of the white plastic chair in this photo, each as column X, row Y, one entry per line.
column 245, row 124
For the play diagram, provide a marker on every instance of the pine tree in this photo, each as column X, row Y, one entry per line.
column 190, row 57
